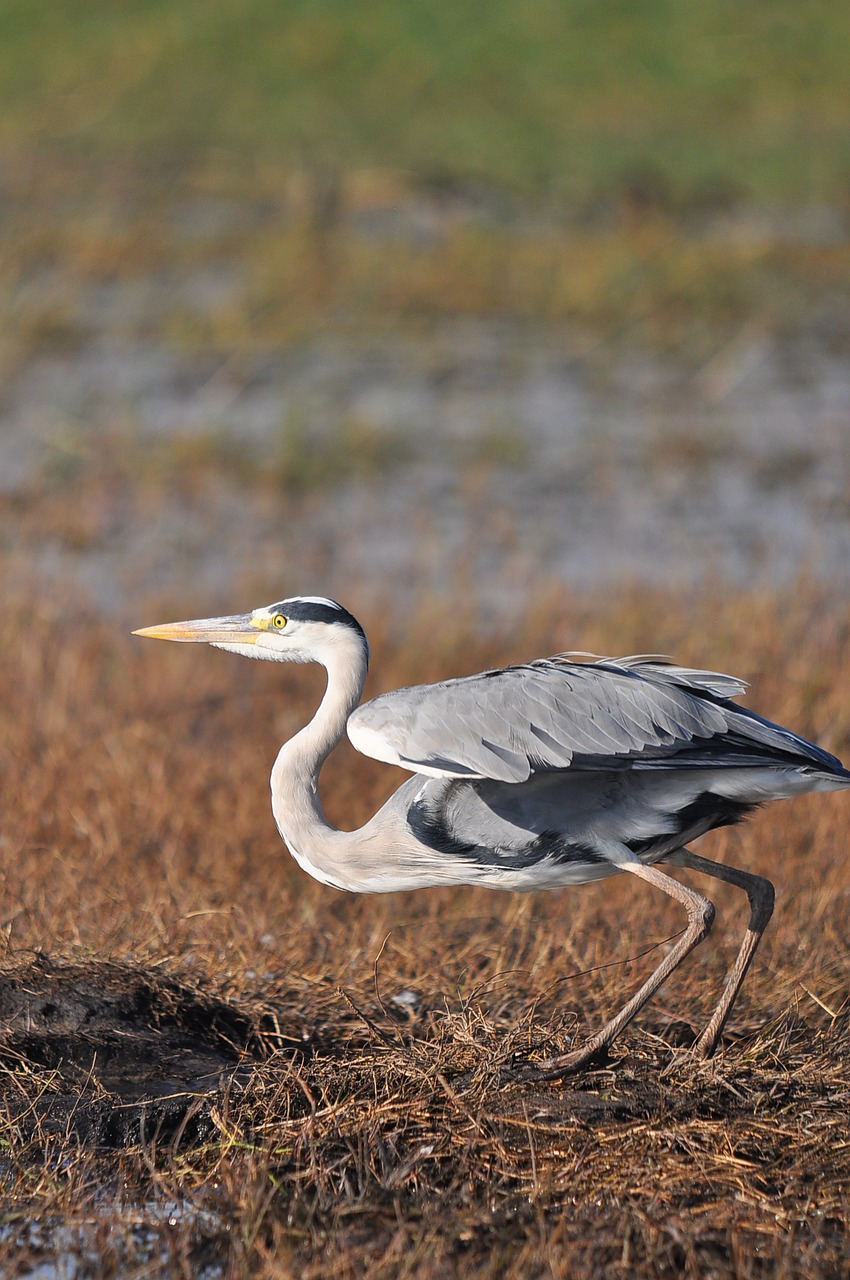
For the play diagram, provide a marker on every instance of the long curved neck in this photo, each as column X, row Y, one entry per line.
column 294, row 780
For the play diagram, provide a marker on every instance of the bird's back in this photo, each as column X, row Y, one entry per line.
column 557, row 714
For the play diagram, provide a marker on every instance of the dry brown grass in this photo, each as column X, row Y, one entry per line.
column 136, row 831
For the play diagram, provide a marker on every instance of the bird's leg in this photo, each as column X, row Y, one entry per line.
column 700, row 919
column 761, row 895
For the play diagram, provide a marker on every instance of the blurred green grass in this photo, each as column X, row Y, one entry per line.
column 560, row 99
column 655, row 174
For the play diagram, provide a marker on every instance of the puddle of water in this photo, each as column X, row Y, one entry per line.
column 125, row 1236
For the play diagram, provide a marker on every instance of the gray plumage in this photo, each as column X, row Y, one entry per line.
column 557, row 713
column 536, row 776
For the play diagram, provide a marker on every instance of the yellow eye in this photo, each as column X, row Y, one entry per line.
column 278, row 621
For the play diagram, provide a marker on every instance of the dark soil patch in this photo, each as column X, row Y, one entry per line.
column 113, row 1054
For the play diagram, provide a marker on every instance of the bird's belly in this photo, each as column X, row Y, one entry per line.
column 545, row 874
column 561, row 829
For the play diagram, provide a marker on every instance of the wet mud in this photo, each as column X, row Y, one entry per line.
column 119, row 1054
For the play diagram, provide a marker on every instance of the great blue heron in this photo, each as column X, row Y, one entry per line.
column 552, row 773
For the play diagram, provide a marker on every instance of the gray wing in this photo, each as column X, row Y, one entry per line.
column 558, row 713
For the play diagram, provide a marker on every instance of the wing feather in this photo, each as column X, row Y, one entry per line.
column 559, row 713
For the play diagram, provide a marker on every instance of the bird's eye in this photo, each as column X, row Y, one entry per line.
column 278, row 621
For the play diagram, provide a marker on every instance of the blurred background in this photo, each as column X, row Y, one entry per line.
column 422, row 301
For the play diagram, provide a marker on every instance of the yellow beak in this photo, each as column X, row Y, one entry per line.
column 238, row 629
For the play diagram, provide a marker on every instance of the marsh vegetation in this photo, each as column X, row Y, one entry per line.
column 310, row 1079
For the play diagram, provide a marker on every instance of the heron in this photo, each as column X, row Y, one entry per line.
column 541, row 775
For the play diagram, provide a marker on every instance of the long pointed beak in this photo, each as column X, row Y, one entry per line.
column 238, row 629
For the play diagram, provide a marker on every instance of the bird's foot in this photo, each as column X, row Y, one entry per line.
column 590, row 1055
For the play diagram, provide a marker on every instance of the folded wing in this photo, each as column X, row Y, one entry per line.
column 559, row 713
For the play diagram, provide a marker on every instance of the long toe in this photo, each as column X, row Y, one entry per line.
column 586, row 1058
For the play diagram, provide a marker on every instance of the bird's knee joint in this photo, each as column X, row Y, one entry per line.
column 762, row 896
column 762, row 893
column 707, row 912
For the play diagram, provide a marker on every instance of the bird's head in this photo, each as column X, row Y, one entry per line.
column 300, row 629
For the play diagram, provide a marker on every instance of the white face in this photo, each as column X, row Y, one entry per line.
column 270, row 632
column 272, row 635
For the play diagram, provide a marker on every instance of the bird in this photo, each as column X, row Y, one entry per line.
column 540, row 775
